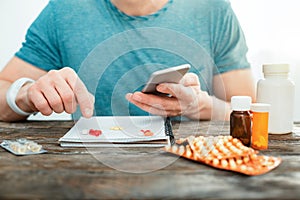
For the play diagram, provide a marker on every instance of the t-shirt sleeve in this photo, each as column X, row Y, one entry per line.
column 41, row 45
column 230, row 46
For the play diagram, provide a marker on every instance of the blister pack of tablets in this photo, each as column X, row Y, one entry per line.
column 22, row 147
column 224, row 152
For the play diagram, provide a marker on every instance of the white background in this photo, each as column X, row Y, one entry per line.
column 271, row 27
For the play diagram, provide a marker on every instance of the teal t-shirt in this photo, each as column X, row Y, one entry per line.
column 114, row 53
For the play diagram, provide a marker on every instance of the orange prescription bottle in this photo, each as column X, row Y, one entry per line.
column 260, row 120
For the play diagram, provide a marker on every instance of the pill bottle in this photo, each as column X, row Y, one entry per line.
column 277, row 90
column 260, row 119
column 240, row 119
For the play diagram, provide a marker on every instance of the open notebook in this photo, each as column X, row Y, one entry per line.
column 122, row 131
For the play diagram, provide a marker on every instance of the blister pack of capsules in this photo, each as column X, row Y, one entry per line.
column 224, row 152
column 22, row 147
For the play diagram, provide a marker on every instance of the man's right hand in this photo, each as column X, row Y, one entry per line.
column 56, row 91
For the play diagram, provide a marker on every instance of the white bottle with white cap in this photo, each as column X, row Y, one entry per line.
column 278, row 90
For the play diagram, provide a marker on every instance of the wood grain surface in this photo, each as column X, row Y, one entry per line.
column 137, row 173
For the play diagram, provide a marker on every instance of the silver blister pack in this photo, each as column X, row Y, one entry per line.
column 22, row 147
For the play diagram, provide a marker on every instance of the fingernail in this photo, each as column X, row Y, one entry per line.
column 137, row 97
column 162, row 86
column 128, row 96
column 88, row 112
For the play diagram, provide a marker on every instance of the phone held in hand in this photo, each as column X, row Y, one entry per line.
column 169, row 75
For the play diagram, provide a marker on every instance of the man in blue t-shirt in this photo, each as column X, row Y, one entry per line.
column 97, row 54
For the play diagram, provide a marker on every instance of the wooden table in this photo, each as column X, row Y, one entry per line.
column 136, row 173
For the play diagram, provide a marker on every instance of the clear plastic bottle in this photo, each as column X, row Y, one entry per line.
column 278, row 90
column 240, row 119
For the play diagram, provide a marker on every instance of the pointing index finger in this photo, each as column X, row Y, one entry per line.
column 84, row 98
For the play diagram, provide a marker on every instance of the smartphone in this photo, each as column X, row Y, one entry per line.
column 169, row 75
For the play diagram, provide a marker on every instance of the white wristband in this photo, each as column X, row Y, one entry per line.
column 12, row 92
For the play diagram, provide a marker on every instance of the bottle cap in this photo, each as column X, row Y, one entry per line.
column 260, row 107
column 276, row 68
column 240, row 103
